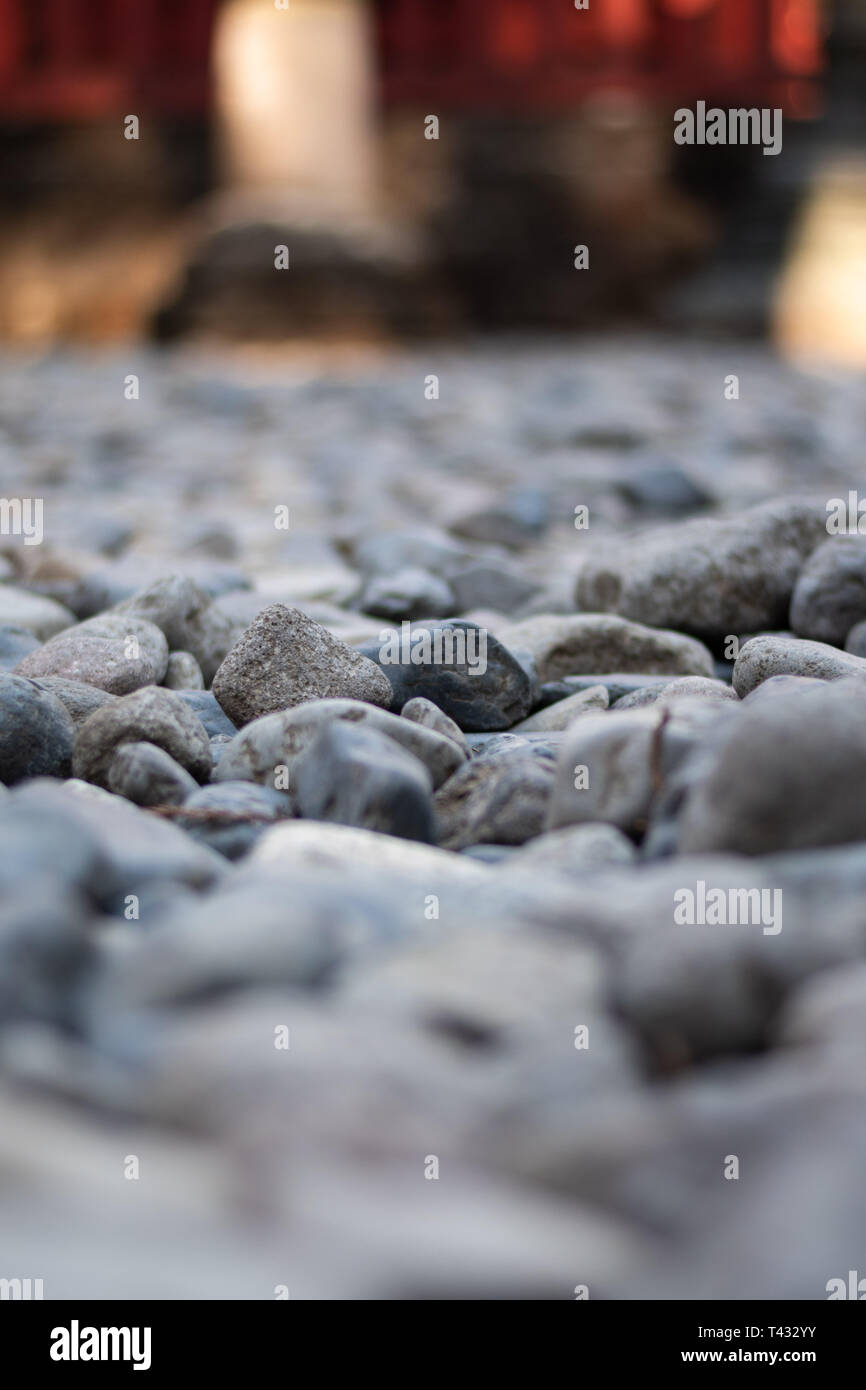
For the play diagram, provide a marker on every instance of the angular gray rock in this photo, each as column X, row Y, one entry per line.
column 567, row 645
column 711, row 577
column 356, row 776
column 285, row 659
column 113, row 652
column 151, row 715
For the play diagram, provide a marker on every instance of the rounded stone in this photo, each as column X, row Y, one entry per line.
column 15, row 643
column 183, row 672
column 700, row 687
column 36, row 732
column 151, row 715
column 352, row 775
column 191, row 622
column 277, row 740
column 710, row 577
column 114, row 653
column 583, row 643
column 148, row 776
column 562, row 713
column 830, row 594
column 430, row 716
column 787, row 773
column 763, row 657
column 408, row 593
column 80, row 700
column 41, row 616
column 461, row 667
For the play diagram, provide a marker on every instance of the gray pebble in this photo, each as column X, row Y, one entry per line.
column 231, row 816
column 274, row 742
column 185, row 613
column 408, row 593
column 80, row 700
column 563, row 713
column 356, row 776
column 488, row 585
column 41, row 616
column 495, row 800
column 208, row 709
column 151, row 715
column 15, row 643
column 472, row 677
column 148, row 776
column 699, row 687
column 183, row 672
column 285, row 659
column 430, row 716
column 117, row 654
column 36, row 732
column 606, row 771
column 787, row 773
column 711, row 577
column 575, row 850
column 588, row 642
column 830, row 593
column 763, row 657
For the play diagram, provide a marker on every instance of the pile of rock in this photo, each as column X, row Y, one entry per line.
column 560, row 904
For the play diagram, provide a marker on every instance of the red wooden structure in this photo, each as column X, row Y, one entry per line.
column 80, row 59
column 515, row 55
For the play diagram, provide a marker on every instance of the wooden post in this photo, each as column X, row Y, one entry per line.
column 295, row 96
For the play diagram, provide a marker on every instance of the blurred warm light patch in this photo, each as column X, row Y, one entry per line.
column 516, row 38
column 625, row 22
column 795, row 35
column 688, row 9
column 820, row 310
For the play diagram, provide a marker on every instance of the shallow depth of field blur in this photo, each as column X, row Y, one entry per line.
column 258, row 127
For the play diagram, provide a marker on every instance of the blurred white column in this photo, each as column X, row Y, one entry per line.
column 295, row 98
column 820, row 307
